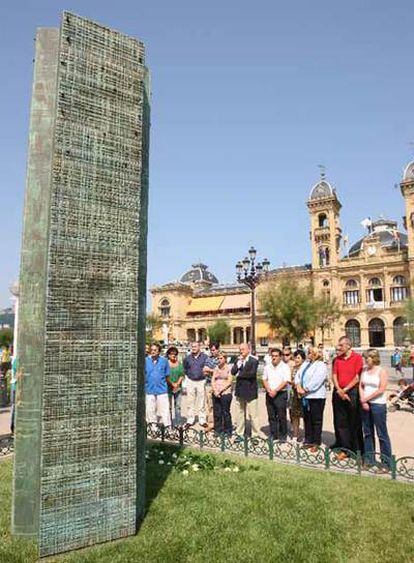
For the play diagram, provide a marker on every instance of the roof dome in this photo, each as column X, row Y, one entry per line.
column 386, row 231
column 409, row 171
column 321, row 189
column 199, row 274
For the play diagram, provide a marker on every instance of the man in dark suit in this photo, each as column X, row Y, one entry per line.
column 245, row 370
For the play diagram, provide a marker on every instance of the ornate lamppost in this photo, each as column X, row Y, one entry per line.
column 250, row 272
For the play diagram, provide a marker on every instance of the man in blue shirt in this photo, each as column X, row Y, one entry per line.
column 194, row 365
column 157, row 370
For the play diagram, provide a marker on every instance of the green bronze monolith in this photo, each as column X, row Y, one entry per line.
column 80, row 419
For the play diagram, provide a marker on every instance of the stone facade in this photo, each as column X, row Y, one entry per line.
column 372, row 279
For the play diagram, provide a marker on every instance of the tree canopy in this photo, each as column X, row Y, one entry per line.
column 219, row 332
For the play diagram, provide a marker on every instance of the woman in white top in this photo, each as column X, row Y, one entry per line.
column 373, row 384
column 310, row 385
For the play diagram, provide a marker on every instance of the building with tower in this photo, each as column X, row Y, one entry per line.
column 371, row 279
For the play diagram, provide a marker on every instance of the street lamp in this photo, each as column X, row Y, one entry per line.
column 249, row 272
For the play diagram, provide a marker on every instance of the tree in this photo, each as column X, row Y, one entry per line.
column 290, row 308
column 219, row 332
column 327, row 311
column 153, row 323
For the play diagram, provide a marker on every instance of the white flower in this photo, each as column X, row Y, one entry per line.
column 169, row 463
column 146, row 456
column 227, row 469
column 161, row 452
column 185, row 472
column 161, row 462
column 174, row 456
column 235, row 469
column 195, row 467
column 187, row 463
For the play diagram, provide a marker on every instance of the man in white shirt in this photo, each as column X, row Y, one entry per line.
column 276, row 378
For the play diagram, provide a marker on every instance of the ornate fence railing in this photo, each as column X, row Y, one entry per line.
column 323, row 458
column 6, row 445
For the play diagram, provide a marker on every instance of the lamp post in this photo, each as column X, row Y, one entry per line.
column 249, row 272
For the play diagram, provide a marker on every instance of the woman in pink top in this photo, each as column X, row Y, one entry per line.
column 221, row 382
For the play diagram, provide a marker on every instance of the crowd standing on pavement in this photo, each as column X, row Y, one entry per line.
column 294, row 382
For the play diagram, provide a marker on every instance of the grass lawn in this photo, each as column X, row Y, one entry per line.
column 267, row 512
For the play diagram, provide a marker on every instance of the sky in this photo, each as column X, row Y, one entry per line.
column 248, row 98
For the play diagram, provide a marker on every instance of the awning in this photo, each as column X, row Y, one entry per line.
column 262, row 330
column 204, row 304
column 239, row 301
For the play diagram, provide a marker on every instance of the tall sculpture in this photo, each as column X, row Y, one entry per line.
column 80, row 431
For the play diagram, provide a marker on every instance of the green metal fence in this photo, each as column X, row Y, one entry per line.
column 323, row 458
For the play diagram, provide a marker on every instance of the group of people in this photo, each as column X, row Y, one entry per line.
column 294, row 382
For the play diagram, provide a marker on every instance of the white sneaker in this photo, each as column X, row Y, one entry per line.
column 202, row 421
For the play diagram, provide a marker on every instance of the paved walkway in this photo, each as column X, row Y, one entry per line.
column 4, row 421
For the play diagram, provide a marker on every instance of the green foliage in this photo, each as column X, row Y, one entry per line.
column 327, row 311
column 290, row 308
column 153, row 323
column 6, row 336
column 219, row 332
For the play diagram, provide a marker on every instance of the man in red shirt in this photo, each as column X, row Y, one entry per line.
column 347, row 369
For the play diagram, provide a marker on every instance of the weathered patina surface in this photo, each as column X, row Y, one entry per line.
column 90, row 471
column 33, row 280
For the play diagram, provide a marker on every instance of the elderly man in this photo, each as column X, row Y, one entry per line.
column 347, row 368
column 157, row 370
column 245, row 370
column 194, row 365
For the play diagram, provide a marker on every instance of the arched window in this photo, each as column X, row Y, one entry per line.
column 238, row 335
column 202, row 335
column 325, row 283
column 376, row 329
column 165, row 308
column 375, row 293
column 322, row 220
column 399, row 331
column 324, row 257
column 399, row 289
column 351, row 293
column 399, row 280
column 353, row 332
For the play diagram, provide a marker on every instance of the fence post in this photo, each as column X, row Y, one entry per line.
column 327, row 458
column 246, row 445
column 359, row 462
column 201, row 437
column 222, row 442
column 393, row 467
column 181, row 435
column 297, row 453
column 271, row 448
column 162, row 433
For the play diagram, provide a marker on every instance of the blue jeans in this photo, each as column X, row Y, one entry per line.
column 376, row 418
